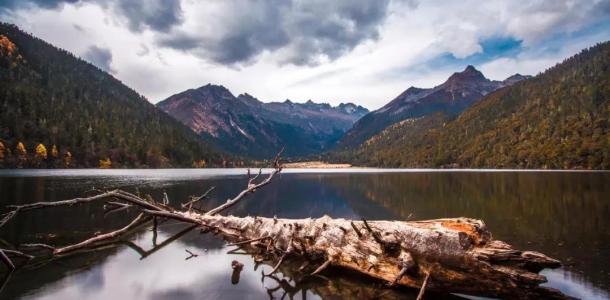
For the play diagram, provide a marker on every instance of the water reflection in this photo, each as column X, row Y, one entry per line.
column 561, row 214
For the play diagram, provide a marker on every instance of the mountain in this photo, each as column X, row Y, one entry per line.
column 246, row 126
column 60, row 111
column 461, row 90
column 559, row 119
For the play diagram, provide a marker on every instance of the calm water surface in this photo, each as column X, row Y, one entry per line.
column 562, row 214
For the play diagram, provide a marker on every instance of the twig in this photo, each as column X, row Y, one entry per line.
column 422, row 290
column 376, row 235
column 288, row 251
column 251, row 180
column 6, row 260
column 356, row 229
column 17, row 253
column 189, row 204
column 277, row 266
column 115, row 207
column 248, row 241
column 251, row 187
column 322, row 267
column 154, row 230
column 191, row 254
column 38, row 245
column 406, row 263
column 168, row 241
column 122, row 195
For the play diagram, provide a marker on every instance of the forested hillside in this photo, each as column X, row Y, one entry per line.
column 558, row 119
column 459, row 92
column 60, row 111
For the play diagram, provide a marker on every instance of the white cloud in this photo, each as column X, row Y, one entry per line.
column 369, row 68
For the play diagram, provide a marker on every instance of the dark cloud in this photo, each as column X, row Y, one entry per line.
column 306, row 31
column 101, row 57
column 157, row 15
column 10, row 4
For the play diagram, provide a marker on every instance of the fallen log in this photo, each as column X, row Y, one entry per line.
column 455, row 255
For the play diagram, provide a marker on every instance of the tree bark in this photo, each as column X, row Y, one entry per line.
column 459, row 254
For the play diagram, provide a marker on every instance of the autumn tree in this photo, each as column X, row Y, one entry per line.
column 1, row 151
column 41, row 152
column 22, row 155
column 199, row 163
column 54, row 152
column 67, row 159
column 105, row 163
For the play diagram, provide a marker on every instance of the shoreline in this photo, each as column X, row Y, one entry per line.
column 315, row 165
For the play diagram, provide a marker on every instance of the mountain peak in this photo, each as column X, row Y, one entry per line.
column 470, row 68
column 210, row 86
column 470, row 73
column 515, row 78
column 217, row 92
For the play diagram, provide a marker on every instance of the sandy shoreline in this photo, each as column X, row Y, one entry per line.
column 315, row 165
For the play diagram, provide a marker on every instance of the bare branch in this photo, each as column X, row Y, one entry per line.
column 288, row 251
column 251, row 180
column 277, row 266
column 6, row 260
column 102, row 237
column 168, row 241
column 420, row 296
column 248, row 241
column 322, row 267
column 118, row 194
column 38, row 245
column 251, row 188
column 194, row 200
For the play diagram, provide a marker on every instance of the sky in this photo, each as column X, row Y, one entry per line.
column 361, row 51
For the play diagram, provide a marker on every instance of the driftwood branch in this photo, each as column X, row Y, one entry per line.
column 461, row 251
column 251, row 188
column 194, row 200
column 102, row 237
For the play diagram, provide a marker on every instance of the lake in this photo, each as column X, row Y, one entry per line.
column 565, row 215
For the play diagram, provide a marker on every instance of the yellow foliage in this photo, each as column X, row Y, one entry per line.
column 21, row 149
column 41, row 152
column 199, row 164
column 105, row 163
column 1, row 151
column 7, row 47
column 54, row 152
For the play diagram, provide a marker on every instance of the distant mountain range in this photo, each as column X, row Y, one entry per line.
column 60, row 111
column 57, row 110
column 559, row 119
column 460, row 91
column 245, row 126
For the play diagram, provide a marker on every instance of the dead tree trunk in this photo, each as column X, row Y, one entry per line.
column 444, row 255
